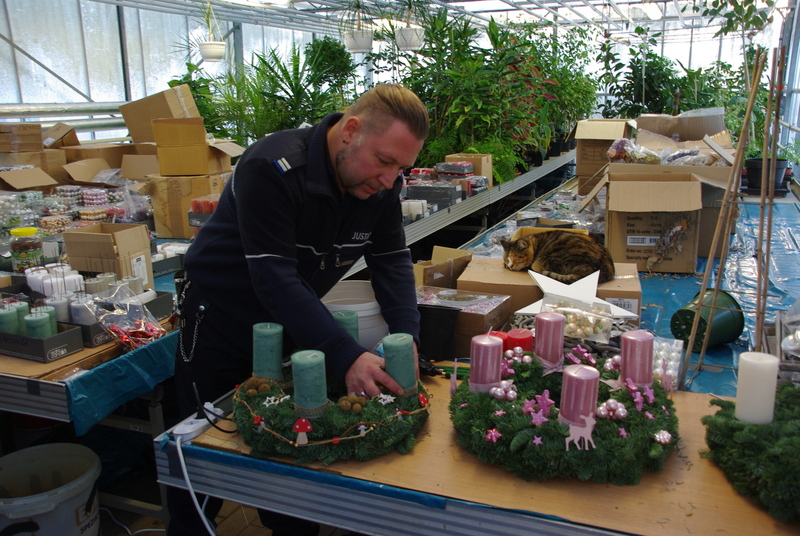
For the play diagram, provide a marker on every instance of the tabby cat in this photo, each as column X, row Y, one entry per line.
column 560, row 255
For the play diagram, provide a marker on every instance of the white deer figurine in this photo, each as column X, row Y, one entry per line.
column 578, row 433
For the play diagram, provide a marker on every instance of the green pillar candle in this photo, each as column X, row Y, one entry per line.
column 38, row 325
column 268, row 350
column 22, row 308
column 50, row 311
column 398, row 351
column 347, row 320
column 9, row 321
column 310, row 386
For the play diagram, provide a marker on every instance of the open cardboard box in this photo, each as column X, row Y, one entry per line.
column 174, row 102
column 25, row 179
column 184, row 150
column 444, row 268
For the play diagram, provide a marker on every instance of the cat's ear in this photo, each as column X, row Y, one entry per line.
column 505, row 243
column 521, row 244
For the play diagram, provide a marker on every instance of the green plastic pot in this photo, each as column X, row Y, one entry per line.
column 727, row 324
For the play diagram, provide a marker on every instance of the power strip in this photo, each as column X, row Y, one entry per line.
column 191, row 428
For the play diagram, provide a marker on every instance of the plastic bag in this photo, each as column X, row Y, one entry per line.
column 123, row 315
column 624, row 150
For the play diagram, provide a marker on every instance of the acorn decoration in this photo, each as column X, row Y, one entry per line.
column 352, row 403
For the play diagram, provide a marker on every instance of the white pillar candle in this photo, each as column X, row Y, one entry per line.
column 35, row 279
column 756, row 386
column 135, row 283
column 82, row 312
column 74, row 282
column 61, row 306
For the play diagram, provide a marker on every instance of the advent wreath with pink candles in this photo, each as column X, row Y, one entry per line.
column 610, row 429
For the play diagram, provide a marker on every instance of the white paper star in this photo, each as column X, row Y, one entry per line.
column 385, row 399
column 584, row 290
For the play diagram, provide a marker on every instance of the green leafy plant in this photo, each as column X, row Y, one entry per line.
column 210, row 22
column 335, row 64
column 202, row 89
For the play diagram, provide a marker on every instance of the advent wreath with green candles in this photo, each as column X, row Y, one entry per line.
column 525, row 437
column 761, row 461
column 353, row 427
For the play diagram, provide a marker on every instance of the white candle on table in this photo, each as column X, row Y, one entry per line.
column 755, row 389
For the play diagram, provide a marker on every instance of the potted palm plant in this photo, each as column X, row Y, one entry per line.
column 410, row 37
column 213, row 49
column 357, row 27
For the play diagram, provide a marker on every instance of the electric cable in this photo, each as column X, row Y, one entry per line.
column 190, row 489
column 201, row 410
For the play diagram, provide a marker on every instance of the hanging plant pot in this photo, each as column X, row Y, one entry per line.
column 359, row 40
column 212, row 50
column 409, row 38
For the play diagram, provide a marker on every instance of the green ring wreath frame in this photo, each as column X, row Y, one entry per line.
column 336, row 434
column 761, row 461
column 616, row 459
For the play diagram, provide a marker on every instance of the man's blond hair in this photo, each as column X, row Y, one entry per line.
column 382, row 104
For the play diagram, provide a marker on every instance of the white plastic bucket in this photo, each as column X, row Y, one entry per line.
column 358, row 296
column 46, row 489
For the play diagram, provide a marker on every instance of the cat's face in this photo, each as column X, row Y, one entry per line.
column 517, row 255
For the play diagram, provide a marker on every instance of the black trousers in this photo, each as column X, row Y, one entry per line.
column 214, row 355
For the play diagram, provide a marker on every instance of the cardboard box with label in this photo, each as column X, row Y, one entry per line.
column 59, row 135
column 482, row 163
column 110, row 152
column 183, row 148
column 173, row 102
column 714, row 179
column 172, row 198
column 444, row 268
column 121, row 248
column 653, row 220
column 479, row 313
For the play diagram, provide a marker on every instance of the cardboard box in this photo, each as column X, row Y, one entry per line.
column 24, row 179
column 643, row 211
column 27, row 158
column 20, row 137
column 193, row 160
column 137, row 167
column 444, row 268
column 594, row 137
column 172, row 198
column 54, row 162
column 625, row 290
column 67, row 341
column 110, row 152
column 482, row 163
column 173, row 102
column 85, row 171
column 59, row 135
column 715, row 181
column 179, row 132
column 478, row 314
column 121, row 248
column 691, row 125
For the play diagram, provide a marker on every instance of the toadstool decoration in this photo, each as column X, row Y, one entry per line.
column 302, row 426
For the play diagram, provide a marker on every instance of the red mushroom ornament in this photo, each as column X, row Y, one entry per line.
column 302, row 426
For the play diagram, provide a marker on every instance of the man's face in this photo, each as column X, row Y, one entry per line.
column 369, row 164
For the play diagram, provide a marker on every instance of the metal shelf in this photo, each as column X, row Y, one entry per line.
column 420, row 229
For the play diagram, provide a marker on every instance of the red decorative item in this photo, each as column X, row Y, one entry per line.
column 423, row 400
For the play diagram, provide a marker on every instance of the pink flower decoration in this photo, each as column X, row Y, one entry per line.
column 544, row 402
column 649, row 415
column 499, row 412
column 631, row 386
column 462, row 406
column 538, row 418
column 529, row 406
column 666, row 411
column 572, row 357
column 649, row 394
column 505, row 368
column 492, row 435
column 623, row 433
column 537, row 440
column 638, row 400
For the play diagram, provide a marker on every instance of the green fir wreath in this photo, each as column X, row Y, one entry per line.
column 503, row 432
column 354, row 427
column 761, row 461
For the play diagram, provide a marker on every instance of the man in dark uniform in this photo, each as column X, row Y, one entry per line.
column 301, row 208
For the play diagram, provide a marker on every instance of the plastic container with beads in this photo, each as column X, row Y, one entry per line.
column 26, row 248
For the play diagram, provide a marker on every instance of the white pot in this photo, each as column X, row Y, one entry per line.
column 359, row 40
column 410, row 38
column 212, row 50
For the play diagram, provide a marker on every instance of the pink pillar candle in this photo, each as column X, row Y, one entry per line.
column 502, row 335
column 637, row 357
column 520, row 337
column 550, row 338
column 486, row 357
column 578, row 393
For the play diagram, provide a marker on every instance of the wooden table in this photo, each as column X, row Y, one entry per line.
column 439, row 488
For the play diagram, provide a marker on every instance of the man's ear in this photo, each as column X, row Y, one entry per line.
column 352, row 127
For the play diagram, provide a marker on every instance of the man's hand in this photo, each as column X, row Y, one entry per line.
column 366, row 373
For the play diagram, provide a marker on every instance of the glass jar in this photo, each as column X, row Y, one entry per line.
column 26, row 248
